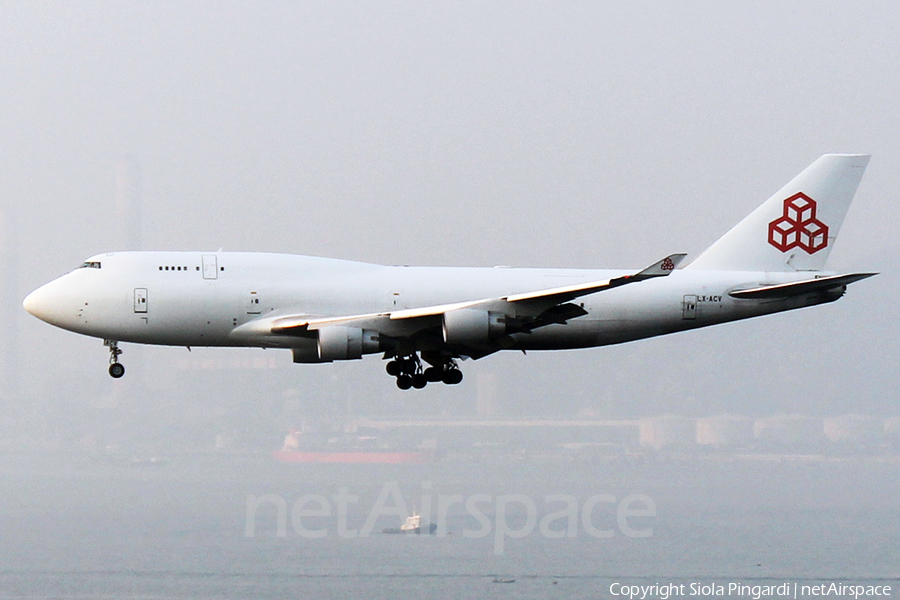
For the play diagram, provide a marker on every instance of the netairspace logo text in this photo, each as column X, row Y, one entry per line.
column 741, row 590
column 560, row 515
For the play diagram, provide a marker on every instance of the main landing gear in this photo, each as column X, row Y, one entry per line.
column 116, row 369
column 410, row 374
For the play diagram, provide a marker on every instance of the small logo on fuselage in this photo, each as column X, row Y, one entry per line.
column 798, row 226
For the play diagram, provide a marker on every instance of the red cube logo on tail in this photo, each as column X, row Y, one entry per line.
column 798, row 226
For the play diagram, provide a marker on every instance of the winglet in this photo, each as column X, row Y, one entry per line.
column 658, row 269
column 661, row 268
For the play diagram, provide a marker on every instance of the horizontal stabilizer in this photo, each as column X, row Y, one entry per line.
column 796, row 288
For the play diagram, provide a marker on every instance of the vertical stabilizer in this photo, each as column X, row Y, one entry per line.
column 795, row 229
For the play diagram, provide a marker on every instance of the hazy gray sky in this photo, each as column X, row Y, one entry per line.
column 588, row 134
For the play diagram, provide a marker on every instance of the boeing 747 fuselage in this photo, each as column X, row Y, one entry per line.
column 327, row 309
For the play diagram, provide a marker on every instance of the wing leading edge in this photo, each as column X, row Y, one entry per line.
column 543, row 302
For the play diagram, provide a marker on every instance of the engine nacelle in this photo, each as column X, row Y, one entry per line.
column 337, row 343
column 473, row 326
column 307, row 353
column 346, row 343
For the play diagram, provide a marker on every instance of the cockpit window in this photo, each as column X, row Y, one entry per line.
column 90, row 265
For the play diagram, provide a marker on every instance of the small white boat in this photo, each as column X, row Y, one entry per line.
column 413, row 525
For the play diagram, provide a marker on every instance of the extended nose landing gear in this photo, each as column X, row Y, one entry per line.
column 116, row 369
column 409, row 373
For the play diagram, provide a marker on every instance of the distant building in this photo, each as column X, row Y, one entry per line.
column 857, row 429
column 668, row 432
column 537, row 434
column 789, row 430
column 725, row 431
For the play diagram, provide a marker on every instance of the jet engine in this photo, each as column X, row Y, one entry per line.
column 346, row 343
column 473, row 326
column 339, row 343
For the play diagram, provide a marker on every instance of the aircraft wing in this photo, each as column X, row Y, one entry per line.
column 543, row 307
column 796, row 288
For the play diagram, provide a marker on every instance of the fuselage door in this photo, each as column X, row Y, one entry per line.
column 254, row 308
column 210, row 266
column 689, row 307
column 140, row 300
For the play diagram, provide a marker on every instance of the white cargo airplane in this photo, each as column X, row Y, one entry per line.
column 326, row 309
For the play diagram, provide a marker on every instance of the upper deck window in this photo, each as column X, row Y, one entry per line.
column 90, row 265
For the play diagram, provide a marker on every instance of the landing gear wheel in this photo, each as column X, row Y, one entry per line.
column 419, row 381
column 393, row 368
column 452, row 376
column 433, row 374
column 115, row 369
column 404, row 382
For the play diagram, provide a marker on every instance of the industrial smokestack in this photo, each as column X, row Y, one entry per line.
column 128, row 203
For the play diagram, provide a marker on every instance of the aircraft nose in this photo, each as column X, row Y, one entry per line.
column 49, row 303
column 33, row 301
